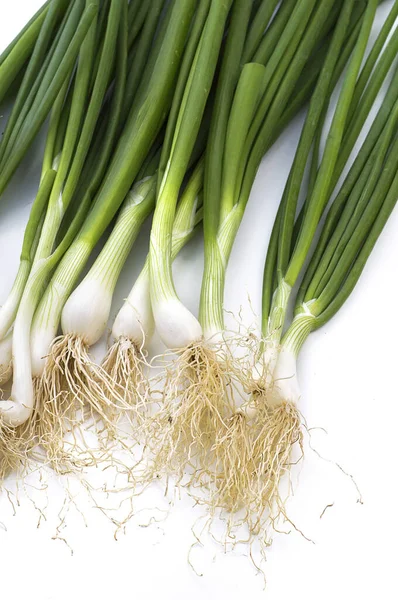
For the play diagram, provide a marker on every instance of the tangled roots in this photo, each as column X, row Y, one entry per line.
column 16, row 444
column 76, row 398
column 252, row 457
column 197, row 399
column 277, row 430
column 58, row 432
column 234, row 466
column 125, row 366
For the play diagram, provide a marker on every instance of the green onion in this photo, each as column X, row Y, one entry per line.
column 268, row 425
column 175, row 324
column 68, row 171
column 260, row 135
column 35, row 223
column 186, row 65
column 289, row 267
column 342, row 260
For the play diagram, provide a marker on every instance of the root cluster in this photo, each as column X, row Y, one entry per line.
column 16, row 444
column 79, row 407
column 254, row 458
column 234, row 459
column 196, row 403
column 125, row 367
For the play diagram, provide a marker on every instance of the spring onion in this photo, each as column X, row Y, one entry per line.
column 260, row 435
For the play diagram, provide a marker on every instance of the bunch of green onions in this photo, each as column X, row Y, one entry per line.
column 169, row 108
column 257, row 441
column 253, row 101
column 94, row 172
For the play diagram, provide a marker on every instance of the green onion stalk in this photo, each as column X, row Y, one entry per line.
column 177, row 327
column 324, row 291
column 24, row 120
column 17, row 53
column 333, row 275
column 44, row 77
column 287, row 269
column 273, row 316
column 18, row 128
column 112, row 185
column 291, row 253
column 260, row 436
column 134, row 323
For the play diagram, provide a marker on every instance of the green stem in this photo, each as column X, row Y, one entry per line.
column 246, row 101
column 211, row 311
column 196, row 31
column 141, row 54
column 139, row 203
column 186, row 131
column 257, row 28
column 15, row 55
column 302, row 325
column 33, row 68
column 314, row 115
column 357, row 230
column 361, row 197
column 319, row 197
column 372, row 58
column 350, row 181
column 226, row 85
column 274, row 32
column 31, row 128
column 360, row 262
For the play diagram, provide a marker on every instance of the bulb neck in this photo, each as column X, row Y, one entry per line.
column 135, row 319
column 211, row 313
column 86, row 312
column 300, row 328
column 276, row 320
column 286, row 385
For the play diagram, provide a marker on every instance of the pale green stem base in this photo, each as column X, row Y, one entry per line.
column 48, row 315
column 19, row 408
column 162, row 285
column 10, row 308
column 300, row 328
column 217, row 255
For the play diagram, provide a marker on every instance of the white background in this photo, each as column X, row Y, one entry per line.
column 348, row 373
